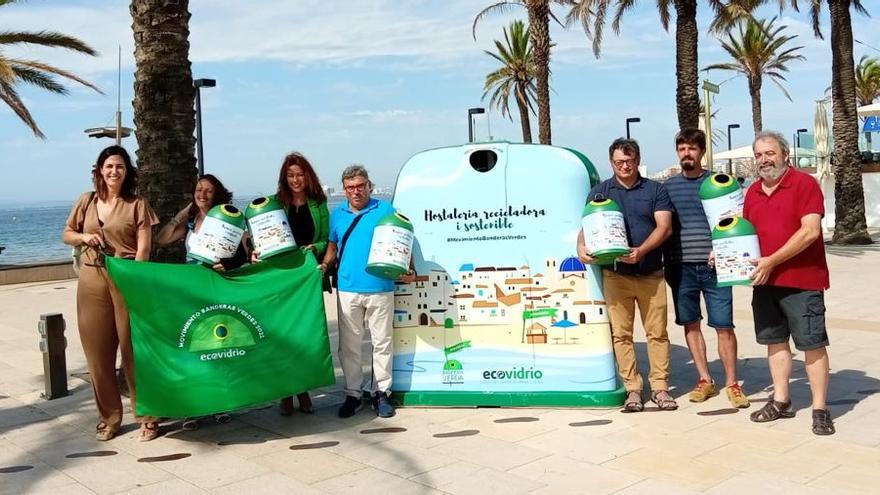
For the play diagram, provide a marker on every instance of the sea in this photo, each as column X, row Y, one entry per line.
column 32, row 233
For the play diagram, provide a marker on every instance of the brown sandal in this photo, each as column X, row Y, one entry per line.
column 772, row 411
column 104, row 432
column 663, row 400
column 633, row 403
column 822, row 423
column 149, row 431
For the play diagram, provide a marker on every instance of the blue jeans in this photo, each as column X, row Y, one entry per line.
column 686, row 282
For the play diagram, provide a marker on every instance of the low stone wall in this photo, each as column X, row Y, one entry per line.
column 36, row 272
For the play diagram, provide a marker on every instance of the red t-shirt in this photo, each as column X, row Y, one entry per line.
column 777, row 217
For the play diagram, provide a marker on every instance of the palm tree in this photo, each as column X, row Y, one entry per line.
column 17, row 71
column 850, row 226
column 759, row 50
column 867, row 84
column 515, row 76
column 867, row 80
column 539, row 34
column 591, row 14
column 163, row 107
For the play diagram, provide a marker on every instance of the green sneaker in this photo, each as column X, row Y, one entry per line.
column 703, row 391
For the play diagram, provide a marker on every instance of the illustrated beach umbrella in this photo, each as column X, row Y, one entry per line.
column 564, row 325
column 820, row 133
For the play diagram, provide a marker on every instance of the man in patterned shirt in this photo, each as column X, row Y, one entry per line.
column 689, row 274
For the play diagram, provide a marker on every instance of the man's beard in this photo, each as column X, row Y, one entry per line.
column 688, row 165
column 772, row 174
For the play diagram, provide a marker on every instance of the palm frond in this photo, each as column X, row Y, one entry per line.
column 858, row 7
column 496, row 8
column 781, row 87
column 663, row 9
column 6, row 72
column 9, row 96
column 46, row 38
column 622, row 7
column 35, row 64
column 39, row 79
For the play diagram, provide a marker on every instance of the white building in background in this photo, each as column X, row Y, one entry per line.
column 499, row 295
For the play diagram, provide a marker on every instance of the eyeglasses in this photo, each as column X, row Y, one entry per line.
column 357, row 187
column 628, row 161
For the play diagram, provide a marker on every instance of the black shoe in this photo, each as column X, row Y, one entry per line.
column 350, row 407
column 382, row 405
column 822, row 424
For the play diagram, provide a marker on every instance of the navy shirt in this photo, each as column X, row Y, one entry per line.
column 691, row 240
column 638, row 205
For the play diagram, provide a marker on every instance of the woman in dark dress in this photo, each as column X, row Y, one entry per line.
column 300, row 192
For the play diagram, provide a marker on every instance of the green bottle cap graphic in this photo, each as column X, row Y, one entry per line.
column 227, row 214
column 733, row 227
column 717, row 185
column 600, row 203
column 262, row 205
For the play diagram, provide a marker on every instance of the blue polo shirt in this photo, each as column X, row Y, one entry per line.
column 638, row 204
column 352, row 274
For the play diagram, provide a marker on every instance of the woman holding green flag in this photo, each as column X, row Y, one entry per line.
column 300, row 192
column 209, row 192
column 112, row 220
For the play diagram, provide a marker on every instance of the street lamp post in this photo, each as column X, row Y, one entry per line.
column 471, row 113
column 730, row 160
column 631, row 120
column 797, row 144
column 200, row 153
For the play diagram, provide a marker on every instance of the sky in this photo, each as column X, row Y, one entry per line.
column 374, row 85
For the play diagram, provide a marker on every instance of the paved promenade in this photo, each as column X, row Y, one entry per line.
column 49, row 446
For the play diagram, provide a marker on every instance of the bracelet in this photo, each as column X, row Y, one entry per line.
column 174, row 222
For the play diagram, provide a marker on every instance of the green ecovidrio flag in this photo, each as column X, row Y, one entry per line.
column 206, row 342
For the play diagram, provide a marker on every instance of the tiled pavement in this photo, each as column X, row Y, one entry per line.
column 462, row 451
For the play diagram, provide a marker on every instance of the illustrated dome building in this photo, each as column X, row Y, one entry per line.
column 571, row 265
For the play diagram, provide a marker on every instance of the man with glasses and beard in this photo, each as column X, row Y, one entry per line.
column 786, row 207
column 365, row 302
column 686, row 263
column 637, row 278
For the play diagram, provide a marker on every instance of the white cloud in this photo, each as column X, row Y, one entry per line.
column 383, row 116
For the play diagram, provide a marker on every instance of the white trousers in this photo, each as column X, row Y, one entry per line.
column 357, row 313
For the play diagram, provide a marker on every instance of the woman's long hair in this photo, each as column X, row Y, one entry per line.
column 222, row 195
column 129, row 184
column 313, row 185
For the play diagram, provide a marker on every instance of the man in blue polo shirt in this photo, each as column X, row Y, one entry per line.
column 637, row 278
column 364, row 301
column 689, row 273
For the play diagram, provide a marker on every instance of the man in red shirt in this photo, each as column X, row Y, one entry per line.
column 786, row 207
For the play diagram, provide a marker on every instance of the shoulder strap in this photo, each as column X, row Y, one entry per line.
column 345, row 237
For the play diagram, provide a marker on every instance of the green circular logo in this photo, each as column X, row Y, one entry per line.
column 221, row 332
